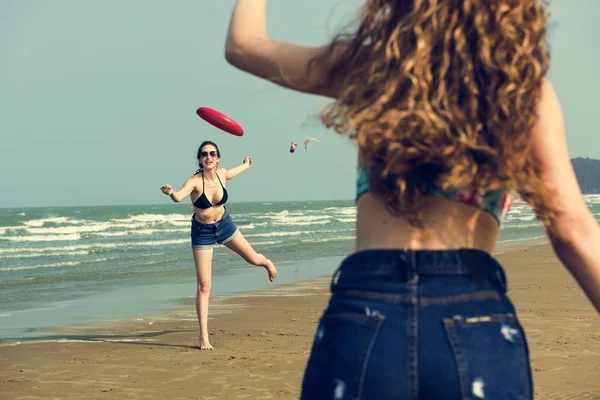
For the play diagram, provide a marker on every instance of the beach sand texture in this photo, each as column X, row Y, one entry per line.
column 262, row 341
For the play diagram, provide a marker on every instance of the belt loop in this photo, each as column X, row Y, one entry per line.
column 404, row 265
column 477, row 264
column 414, row 268
column 409, row 258
column 402, row 256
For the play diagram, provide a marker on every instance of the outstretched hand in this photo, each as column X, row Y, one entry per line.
column 167, row 189
column 247, row 160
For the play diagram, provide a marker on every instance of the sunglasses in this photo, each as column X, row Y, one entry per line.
column 205, row 154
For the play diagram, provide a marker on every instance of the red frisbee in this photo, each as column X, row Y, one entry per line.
column 220, row 120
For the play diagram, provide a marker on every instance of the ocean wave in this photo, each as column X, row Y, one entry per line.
column 52, row 265
column 137, row 232
column 47, row 254
column 326, row 240
column 346, row 220
column 48, row 238
column 154, row 218
column 518, row 226
column 266, row 243
column 298, row 219
column 293, row 233
column 56, row 265
column 185, row 223
column 522, row 218
column 65, row 230
column 300, row 222
column 57, row 248
column 72, row 229
column 276, row 215
column 41, row 221
column 92, row 247
column 343, row 210
column 280, row 233
column 525, row 239
column 252, row 225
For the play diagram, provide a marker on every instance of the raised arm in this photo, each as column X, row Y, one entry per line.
column 575, row 233
column 235, row 171
column 249, row 48
column 180, row 194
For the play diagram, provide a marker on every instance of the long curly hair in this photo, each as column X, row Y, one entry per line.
column 443, row 93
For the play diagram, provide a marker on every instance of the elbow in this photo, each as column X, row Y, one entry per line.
column 240, row 53
column 573, row 231
column 234, row 55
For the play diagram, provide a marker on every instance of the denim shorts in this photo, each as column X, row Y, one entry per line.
column 428, row 324
column 206, row 236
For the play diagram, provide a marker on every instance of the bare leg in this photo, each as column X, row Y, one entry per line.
column 240, row 245
column 203, row 261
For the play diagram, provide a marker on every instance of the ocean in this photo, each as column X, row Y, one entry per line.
column 77, row 265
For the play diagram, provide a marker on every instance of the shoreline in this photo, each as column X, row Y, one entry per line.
column 167, row 297
column 247, row 280
column 262, row 340
column 226, row 285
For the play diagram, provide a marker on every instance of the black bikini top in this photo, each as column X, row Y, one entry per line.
column 204, row 203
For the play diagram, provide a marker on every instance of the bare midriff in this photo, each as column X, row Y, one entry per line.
column 209, row 215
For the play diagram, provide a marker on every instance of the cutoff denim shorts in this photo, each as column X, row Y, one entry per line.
column 206, row 236
column 427, row 324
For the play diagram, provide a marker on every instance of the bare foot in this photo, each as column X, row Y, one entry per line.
column 205, row 345
column 271, row 270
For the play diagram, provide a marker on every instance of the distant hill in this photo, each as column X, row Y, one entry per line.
column 587, row 171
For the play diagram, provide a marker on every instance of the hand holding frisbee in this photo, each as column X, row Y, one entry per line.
column 220, row 120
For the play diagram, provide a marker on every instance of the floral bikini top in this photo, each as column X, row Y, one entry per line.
column 497, row 202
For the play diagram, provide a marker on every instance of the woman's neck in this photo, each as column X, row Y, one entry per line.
column 211, row 175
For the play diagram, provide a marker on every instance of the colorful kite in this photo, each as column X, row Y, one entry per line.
column 308, row 140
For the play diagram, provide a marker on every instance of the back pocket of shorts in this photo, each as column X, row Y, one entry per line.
column 341, row 350
column 491, row 356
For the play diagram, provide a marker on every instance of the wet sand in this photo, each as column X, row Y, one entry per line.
column 262, row 341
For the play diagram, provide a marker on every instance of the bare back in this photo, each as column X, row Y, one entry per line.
column 447, row 224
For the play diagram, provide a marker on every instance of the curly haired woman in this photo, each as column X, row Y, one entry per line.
column 453, row 117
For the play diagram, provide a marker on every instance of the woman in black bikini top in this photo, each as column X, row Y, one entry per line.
column 203, row 202
column 212, row 226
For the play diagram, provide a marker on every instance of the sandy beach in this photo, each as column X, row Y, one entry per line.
column 262, row 341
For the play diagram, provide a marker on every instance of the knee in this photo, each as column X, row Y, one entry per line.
column 204, row 286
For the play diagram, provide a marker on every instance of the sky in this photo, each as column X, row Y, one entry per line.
column 98, row 100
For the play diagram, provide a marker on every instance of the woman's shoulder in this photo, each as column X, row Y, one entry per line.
column 222, row 173
column 197, row 177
